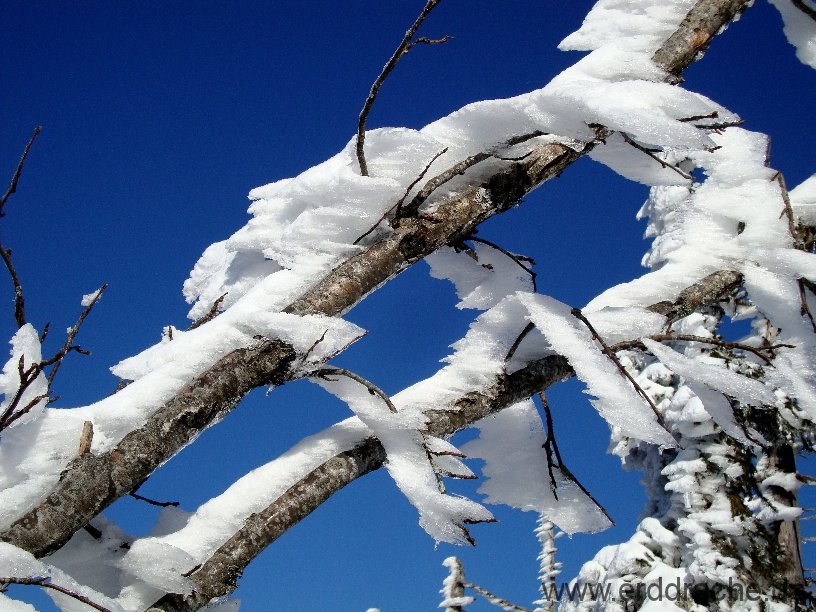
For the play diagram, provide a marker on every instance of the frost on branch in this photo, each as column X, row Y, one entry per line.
column 453, row 587
column 23, row 385
column 409, row 461
column 800, row 28
column 517, row 470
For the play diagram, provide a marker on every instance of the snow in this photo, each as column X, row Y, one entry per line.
column 617, row 400
column 482, row 278
column 800, row 30
column 511, row 444
column 25, row 353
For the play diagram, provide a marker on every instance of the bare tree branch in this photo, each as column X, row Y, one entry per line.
column 16, row 176
column 46, row 583
column 19, row 299
column 372, row 388
column 629, row 140
column 406, row 45
column 211, row 314
column 69, row 346
column 576, row 312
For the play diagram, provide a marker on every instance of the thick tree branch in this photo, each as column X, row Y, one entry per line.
column 92, row 482
column 219, row 574
column 703, row 22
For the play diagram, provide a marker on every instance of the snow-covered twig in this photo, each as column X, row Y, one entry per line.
column 576, row 312
column 396, row 207
column 48, row 584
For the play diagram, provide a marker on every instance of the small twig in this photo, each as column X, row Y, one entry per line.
column 396, row 207
column 211, row 314
column 788, row 209
column 576, row 312
column 551, row 448
column 19, row 299
column 372, row 388
column 310, row 350
column 436, row 182
column 86, row 438
column 46, row 583
column 69, row 339
column 517, row 342
column 651, row 154
column 800, row 4
column 514, row 256
column 497, row 601
column 711, row 115
column 153, row 502
column 9, row 416
column 550, row 445
column 703, row 340
column 428, row 41
column 16, row 177
column 406, row 45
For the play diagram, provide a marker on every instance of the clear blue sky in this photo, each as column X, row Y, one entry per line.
column 157, row 120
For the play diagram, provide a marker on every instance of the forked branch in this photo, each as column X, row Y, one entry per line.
column 408, row 43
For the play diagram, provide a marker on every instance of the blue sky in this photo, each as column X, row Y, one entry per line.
column 157, row 120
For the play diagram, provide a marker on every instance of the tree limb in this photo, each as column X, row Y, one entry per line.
column 219, row 574
column 92, row 482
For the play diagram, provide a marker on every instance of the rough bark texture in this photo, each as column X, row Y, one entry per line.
column 691, row 39
column 92, row 482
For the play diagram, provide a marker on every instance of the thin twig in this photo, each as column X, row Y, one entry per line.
column 46, row 583
column 72, row 332
column 495, row 599
column 517, row 342
column 406, row 45
column 711, row 115
column 514, row 256
column 372, row 388
column 211, row 314
column 153, row 502
column 19, row 299
column 16, row 177
column 550, row 445
column 703, row 340
column 576, row 312
column 788, row 209
column 800, row 4
column 396, row 207
column 804, row 309
column 436, row 182
column 552, row 448
column 651, row 154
